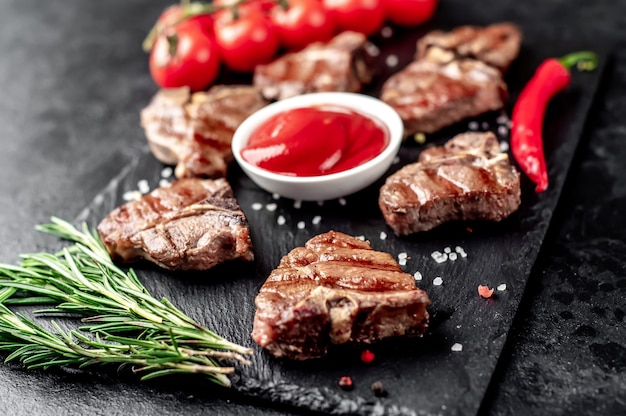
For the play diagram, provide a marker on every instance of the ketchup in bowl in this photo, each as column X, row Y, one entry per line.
column 315, row 141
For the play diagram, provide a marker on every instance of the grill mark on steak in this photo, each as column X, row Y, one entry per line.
column 194, row 224
column 429, row 96
column 468, row 178
column 454, row 76
column 194, row 132
column 342, row 64
column 334, row 290
column 496, row 45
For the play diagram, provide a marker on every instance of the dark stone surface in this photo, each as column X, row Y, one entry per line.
column 73, row 80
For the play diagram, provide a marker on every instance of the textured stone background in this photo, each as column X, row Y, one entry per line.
column 567, row 352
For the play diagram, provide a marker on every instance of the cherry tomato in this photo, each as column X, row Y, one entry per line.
column 246, row 40
column 173, row 15
column 302, row 22
column 170, row 15
column 263, row 6
column 410, row 12
column 365, row 16
column 185, row 55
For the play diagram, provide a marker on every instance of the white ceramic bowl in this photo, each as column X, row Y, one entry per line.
column 317, row 188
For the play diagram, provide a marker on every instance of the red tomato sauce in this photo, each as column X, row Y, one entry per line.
column 315, row 141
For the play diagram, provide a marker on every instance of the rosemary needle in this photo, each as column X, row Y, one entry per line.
column 121, row 322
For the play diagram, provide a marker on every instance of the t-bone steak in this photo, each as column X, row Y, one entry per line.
column 468, row 178
column 194, row 131
column 336, row 290
column 342, row 64
column 193, row 224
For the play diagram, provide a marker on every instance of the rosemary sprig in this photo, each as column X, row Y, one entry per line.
column 128, row 326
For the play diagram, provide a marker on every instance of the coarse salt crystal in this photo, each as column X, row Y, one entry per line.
column 447, row 250
column 131, row 195
column 316, row 219
column 472, row 125
column 456, row 347
column 360, row 237
column 417, row 275
column 164, row 183
column 297, row 204
column 439, row 257
column 275, row 196
column 452, row 256
column 281, row 220
column 460, row 250
column 143, row 186
column 257, row 206
column 386, row 32
column 402, row 262
column 502, row 287
column 402, row 255
column 372, row 49
column 300, row 225
column 342, row 201
column 383, row 235
column 503, row 130
column 502, row 119
column 271, row 207
column 166, row 172
column 437, row 281
column 391, row 61
column 504, row 146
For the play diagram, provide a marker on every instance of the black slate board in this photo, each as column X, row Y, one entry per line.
column 422, row 376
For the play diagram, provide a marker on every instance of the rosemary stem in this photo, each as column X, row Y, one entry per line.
column 122, row 323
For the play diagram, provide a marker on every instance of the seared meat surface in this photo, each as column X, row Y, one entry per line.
column 455, row 76
column 496, row 45
column 194, row 132
column 429, row 96
column 193, row 224
column 342, row 64
column 334, row 290
column 165, row 122
column 469, row 178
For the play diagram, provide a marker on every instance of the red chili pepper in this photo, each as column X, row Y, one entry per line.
column 551, row 77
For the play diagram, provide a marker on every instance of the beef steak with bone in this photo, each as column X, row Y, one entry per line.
column 336, row 290
column 468, row 178
column 193, row 224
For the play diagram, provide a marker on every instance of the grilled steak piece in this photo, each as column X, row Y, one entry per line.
column 456, row 75
column 429, row 95
column 469, row 178
column 194, row 132
column 193, row 224
column 496, row 45
column 334, row 290
column 342, row 64
column 166, row 123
